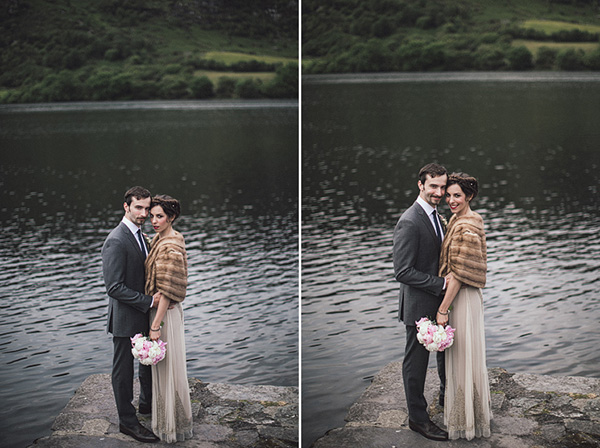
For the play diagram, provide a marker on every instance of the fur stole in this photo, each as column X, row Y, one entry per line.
column 464, row 251
column 166, row 267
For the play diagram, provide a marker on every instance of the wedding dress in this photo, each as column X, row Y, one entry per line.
column 171, row 404
column 467, row 409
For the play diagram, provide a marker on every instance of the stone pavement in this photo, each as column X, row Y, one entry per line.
column 529, row 411
column 225, row 416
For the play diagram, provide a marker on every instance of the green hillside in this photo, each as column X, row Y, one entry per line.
column 340, row 36
column 94, row 50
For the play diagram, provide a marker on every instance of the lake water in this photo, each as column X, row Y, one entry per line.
column 64, row 169
column 531, row 139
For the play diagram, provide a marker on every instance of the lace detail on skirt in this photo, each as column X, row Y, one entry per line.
column 171, row 404
column 467, row 410
column 457, row 420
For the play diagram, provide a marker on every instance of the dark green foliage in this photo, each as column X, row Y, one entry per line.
column 202, row 88
column 248, row 89
column 570, row 60
column 225, row 87
column 592, row 60
column 520, row 58
column 285, row 84
column 545, row 58
column 432, row 35
column 72, row 50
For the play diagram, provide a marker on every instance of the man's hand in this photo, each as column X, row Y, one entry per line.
column 156, row 297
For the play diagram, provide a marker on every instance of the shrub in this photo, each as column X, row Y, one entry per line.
column 489, row 58
column 592, row 59
column 248, row 88
column 173, row 89
column 570, row 60
column 112, row 54
column 202, row 88
column 225, row 87
column 520, row 58
column 545, row 57
column 285, row 84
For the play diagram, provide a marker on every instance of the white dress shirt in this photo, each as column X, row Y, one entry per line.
column 432, row 213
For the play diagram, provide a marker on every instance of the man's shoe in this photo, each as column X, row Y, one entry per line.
column 139, row 433
column 429, row 430
column 144, row 410
column 441, row 401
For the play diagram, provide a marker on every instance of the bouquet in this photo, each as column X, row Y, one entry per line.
column 149, row 352
column 435, row 338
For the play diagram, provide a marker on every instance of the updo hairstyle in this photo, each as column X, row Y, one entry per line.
column 468, row 184
column 169, row 205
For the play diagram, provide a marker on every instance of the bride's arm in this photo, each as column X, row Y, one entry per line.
column 160, row 314
column 452, row 288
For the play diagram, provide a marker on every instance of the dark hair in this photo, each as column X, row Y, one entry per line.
column 169, row 205
column 433, row 169
column 468, row 184
column 137, row 193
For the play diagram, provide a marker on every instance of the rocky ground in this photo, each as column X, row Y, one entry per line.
column 225, row 416
column 529, row 411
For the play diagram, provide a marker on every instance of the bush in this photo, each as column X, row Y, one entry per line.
column 570, row 60
column 545, row 57
column 520, row 58
column 248, row 88
column 489, row 58
column 592, row 59
column 225, row 87
column 285, row 84
column 173, row 89
column 112, row 54
column 202, row 88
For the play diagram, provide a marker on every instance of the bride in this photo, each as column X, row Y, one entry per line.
column 467, row 411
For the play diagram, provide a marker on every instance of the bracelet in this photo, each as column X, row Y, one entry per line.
column 152, row 329
column 444, row 314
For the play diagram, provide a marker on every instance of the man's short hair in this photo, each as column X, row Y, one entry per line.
column 433, row 169
column 137, row 193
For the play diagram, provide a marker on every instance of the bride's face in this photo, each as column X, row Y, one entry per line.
column 159, row 219
column 456, row 199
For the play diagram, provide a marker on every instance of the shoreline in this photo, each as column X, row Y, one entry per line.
column 528, row 411
column 225, row 416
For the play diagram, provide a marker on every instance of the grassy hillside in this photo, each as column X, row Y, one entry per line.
column 341, row 36
column 72, row 50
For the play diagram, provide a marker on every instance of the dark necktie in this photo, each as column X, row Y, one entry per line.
column 142, row 244
column 438, row 231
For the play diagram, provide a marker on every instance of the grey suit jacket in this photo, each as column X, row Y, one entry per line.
column 416, row 263
column 123, row 270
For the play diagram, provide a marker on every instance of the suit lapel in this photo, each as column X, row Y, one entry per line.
column 427, row 223
column 132, row 240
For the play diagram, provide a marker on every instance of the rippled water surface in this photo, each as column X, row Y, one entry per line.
column 63, row 172
column 533, row 142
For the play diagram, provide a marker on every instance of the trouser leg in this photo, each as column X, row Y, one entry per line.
column 122, row 381
column 414, row 371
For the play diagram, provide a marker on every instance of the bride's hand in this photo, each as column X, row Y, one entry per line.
column 441, row 319
column 154, row 335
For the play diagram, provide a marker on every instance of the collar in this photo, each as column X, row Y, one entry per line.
column 131, row 226
column 425, row 206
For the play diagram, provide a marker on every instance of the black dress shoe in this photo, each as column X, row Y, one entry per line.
column 441, row 401
column 145, row 410
column 139, row 433
column 429, row 430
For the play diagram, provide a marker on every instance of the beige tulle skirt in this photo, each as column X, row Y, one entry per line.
column 171, row 404
column 467, row 410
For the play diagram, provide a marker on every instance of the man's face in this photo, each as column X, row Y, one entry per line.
column 137, row 212
column 433, row 190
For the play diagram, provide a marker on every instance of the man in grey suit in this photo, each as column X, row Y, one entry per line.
column 123, row 256
column 417, row 244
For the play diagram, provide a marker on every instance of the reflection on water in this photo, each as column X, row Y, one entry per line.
column 63, row 174
column 533, row 146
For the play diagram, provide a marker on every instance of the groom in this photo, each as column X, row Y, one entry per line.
column 417, row 243
column 123, row 255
